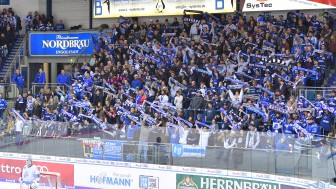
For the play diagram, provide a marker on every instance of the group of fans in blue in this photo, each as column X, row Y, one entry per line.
column 193, row 79
column 40, row 22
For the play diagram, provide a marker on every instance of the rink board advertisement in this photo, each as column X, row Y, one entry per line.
column 122, row 177
column 184, row 181
column 60, row 44
column 10, row 170
column 137, row 8
column 78, row 173
column 277, row 5
column 103, row 149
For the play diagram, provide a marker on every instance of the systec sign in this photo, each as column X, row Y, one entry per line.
column 274, row 5
column 61, row 44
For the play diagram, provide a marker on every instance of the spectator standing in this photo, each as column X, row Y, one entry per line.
column 252, row 138
column 18, row 79
column 20, row 104
column 3, row 105
column 63, row 78
column 40, row 79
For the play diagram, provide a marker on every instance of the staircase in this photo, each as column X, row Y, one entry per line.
column 6, row 65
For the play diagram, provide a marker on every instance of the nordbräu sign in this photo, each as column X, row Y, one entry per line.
column 61, row 44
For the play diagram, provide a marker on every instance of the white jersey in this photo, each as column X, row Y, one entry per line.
column 19, row 125
column 204, row 138
column 183, row 135
column 30, row 174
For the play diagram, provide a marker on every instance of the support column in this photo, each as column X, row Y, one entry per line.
column 53, row 72
column 49, row 8
column 46, row 71
column 91, row 13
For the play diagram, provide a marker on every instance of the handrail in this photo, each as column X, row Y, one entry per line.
column 43, row 85
column 14, row 59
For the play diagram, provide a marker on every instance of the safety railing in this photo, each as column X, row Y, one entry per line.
column 311, row 92
column 37, row 87
column 18, row 57
column 270, row 153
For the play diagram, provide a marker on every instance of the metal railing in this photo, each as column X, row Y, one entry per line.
column 311, row 92
column 18, row 57
column 36, row 87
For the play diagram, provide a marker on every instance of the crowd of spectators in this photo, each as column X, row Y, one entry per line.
column 231, row 73
column 40, row 22
column 9, row 25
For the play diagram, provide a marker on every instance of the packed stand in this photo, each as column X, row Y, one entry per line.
column 218, row 76
column 9, row 25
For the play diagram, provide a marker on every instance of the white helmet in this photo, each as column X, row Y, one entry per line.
column 29, row 161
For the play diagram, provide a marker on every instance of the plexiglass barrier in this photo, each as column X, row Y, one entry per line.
column 262, row 152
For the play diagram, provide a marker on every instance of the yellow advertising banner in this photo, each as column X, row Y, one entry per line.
column 138, row 8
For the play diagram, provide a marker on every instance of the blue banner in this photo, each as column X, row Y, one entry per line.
column 103, row 149
column 61, row 43
column 113, row 150
column 179, row 150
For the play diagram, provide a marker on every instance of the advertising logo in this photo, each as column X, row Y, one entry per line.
column 105, row 179
column 187, row 183
column 259, row 4
column 103, row 149
column 148, row 182
column 219, row 4
column 138, row 8
column 61, row 44
column 207, row 182
column 11, row 169
column 188, row 151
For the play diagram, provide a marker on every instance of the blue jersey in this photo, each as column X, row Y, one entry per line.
column 313, row 128
column 326, row 121
column 77, row 87
column 63, row 79
column 88, row 82
column 40, row 78
column 18, row 79
column 3, row 103
column 47, row 116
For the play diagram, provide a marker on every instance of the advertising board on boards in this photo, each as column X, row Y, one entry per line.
column 91, row 173
column 10, row 169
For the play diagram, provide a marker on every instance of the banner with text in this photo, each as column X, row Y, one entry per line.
column 275, row 5
column 184, row 181
column 137, row 8
column 61, row 44
column 179, row 150
column 106, row 176
column 11, row 170
column 103, row 149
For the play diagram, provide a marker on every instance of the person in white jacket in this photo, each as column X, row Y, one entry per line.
column 204, row 136
column 178, row 100
column 183, row 132
column 163, row 98
column 236, row 98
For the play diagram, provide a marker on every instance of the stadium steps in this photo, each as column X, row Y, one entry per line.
column 6, row 64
